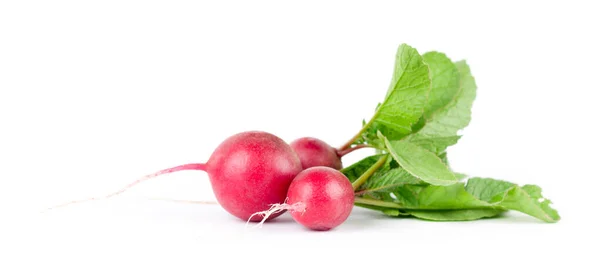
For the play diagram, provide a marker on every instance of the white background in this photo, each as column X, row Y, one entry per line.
column 95, row 94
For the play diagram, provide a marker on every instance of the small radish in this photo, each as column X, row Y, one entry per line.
column 315, row 152
column 248, row 171
column 320, row 198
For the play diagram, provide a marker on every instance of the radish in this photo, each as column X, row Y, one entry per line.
column 248, row 171
column 320, row 198
column 315, row 152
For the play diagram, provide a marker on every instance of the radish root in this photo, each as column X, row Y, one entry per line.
column 186, row 201
column 296, row 207
column 193, row 166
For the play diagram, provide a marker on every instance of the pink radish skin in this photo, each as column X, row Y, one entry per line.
column 320, row 198
column 315, row 152
column 248, row 172
column 251, row 170
column 327, row 196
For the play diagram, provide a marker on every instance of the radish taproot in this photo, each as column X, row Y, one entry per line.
column 320, row 198
column 247, row 171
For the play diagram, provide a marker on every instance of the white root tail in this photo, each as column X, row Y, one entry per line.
column 296, row 207
column 186, row 201
column 192, row 166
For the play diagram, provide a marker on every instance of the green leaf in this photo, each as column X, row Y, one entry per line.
column 436, row 145
column 420, row 163
column 406, row 97
column 479, row 196
column 452, row 215
column 357, row 169
column 456, row 115
column 387, row 211
column 418, row 125
column 445, row 122
column 460, row 176
column 527, row 199
column 428, row 197
column 444, row 157
column 385, row 180
column 445, row 80
column 452, row 197
column 487, row 189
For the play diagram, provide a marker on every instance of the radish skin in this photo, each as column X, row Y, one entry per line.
column 315, row 152
column 320, row 198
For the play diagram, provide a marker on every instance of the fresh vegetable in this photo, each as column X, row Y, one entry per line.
column 428, row 102
column 247, row 171
column 315, row 152
column 320, row 198
column 250, row 170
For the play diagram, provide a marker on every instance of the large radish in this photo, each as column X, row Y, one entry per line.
column 248, row 172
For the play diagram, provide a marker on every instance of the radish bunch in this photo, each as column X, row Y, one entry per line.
column 253, row 174
column 251, row 171
column 256, row 176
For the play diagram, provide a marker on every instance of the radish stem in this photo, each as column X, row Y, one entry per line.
column 365, row 176
column 378, row 203
column 346, row 151
column 353, row 139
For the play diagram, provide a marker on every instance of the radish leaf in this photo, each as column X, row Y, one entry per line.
column 444, row 123
column 454, row 215
column 420, row 163
column 386, row 180
column 480, row 197
column 445, row 82
column 527, row 199
column 406, row 97
column 359, row 168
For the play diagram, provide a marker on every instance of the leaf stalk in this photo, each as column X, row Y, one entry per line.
column 365, row 176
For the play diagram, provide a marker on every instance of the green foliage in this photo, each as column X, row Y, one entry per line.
column 428, row 103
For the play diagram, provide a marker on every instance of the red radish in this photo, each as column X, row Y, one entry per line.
column 315, row 152
column 251, row 170
column 320, row 198
column 248, row 172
